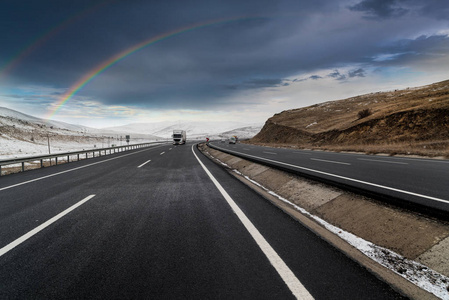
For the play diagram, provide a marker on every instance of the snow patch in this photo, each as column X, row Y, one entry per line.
column 310, row 125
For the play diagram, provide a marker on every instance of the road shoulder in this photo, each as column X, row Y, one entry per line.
column 407, row 234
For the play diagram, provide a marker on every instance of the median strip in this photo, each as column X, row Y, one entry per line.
column 332, row 175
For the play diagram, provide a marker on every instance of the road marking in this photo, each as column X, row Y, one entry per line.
column 305, row 153
column 144, row 163
column 74, row 169
column 295, row 286
column 384, row 161
column 170, row 149
column 331, row 161
column 269, row 152
column 162, row 153
column 26, row 236
column 345, row 178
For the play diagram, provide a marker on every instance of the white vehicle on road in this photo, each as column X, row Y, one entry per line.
column 179, row 137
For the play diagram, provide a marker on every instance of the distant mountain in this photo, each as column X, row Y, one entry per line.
column 12, row 114
column 193, row 129
column 24, row 135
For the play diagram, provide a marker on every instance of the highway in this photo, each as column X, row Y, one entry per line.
column 414, row 181
column 162, row 222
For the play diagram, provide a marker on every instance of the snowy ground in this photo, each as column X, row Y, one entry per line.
column 22, row 135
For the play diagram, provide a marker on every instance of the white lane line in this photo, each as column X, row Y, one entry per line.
column 74, row 169
column 384, row 161
column 347, row 178
column 305, row 153
column 162, row 153
column 295, row 286
column 26, row 236
column 331, row 161
column 170, row 149
column 269, row 152
column 144, row 163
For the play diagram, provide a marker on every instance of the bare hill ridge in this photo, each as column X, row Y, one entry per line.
column 410, row 121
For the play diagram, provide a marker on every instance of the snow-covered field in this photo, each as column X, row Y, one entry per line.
column 22, row 135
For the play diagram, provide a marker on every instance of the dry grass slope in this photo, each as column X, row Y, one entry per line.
column 410, row 121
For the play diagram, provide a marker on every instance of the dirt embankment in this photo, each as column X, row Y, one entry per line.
column 412, row 121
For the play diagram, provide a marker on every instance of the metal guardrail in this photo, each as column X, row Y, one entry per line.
column 408, row 202
column 55, row 156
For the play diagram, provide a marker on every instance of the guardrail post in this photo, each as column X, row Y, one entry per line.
column 78, row 157
column 23, row 166
column 68, row 158
column 0, row 170
column 42, row 163
column 56, row 160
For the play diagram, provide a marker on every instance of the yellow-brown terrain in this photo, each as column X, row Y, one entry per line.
column 410, row 121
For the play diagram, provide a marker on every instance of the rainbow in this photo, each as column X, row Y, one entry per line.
column 129, row 51
column 46, row 36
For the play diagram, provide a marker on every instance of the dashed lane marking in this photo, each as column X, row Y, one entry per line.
column 331, row 161
column 28, row 235
column 144, row 163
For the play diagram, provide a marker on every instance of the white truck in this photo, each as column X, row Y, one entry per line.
column 179, row 137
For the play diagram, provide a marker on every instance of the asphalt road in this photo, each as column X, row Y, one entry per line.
column 418, row 181
column 152, row 224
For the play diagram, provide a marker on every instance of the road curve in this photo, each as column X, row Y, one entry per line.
column 153, row 223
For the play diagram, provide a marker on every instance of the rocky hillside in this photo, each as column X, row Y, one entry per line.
column 410, row 121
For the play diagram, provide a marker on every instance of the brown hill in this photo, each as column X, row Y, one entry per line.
column 410, row 121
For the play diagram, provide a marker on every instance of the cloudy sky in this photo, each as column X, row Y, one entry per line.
column 107, row 63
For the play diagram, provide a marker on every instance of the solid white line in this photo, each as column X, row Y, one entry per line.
column 74, row 169
column 331, row 161
column 346, row 178
column 26, row 236
column 144, row 163
column 384, row 161
column 295, row 286
column 162, row 153
column 269, row 152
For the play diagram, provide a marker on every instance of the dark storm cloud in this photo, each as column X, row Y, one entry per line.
column 261, row 43
column 381, row 9
column 357, row 73
column 385, row 9
column 435, row 8
column 412, row 51
column 337, row 75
